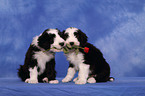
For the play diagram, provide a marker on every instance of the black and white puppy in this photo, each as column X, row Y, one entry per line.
column 91, row 66
column 39, row 65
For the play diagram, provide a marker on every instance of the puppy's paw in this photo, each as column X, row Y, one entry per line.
column 32, row 81
column 66, row 80
column 80, row 81
column 45, row 80
column 27, row 80
column 75, row 79
column 54, row 82
column 91, row 80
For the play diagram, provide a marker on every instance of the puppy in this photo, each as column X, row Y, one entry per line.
column 88, row 60
column 39, row 65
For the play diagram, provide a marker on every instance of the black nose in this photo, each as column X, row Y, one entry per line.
column 71, row 43
column 61, row 44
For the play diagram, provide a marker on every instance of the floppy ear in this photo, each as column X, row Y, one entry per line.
column 82, row 38
column 44, row 40
column 64, row 35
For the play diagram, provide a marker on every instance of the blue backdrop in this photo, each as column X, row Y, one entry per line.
column 116, row 27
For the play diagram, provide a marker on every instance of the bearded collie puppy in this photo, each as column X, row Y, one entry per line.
column 88, row 60
column 39, row 65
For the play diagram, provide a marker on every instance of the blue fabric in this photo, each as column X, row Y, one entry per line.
column 134, row 86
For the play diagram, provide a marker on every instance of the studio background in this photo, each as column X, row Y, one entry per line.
column 116, row 27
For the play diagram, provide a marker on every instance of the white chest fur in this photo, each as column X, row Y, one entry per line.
column 75, row 59
column 42, row 58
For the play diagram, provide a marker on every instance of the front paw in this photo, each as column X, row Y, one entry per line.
column 81, row 81
column 75, row 79
column 45, row 80
column 54, row 82
column 32, row 81
column 66, row 80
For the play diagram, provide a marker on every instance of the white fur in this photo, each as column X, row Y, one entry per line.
column 75, row 79
column 71, row 37
column 54, row 82
column 70, row 74
column 111, row 79
column 42, row 58
column 57, row 40
column 33, row 76
column 83, row 74
column 91, row 80
column 77, row 60
column 35, row 41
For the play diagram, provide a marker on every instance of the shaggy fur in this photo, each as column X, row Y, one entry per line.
column 91, row 66
column 39, row 65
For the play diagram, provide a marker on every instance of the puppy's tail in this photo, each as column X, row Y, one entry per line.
column 111, row 79
column 23, row 73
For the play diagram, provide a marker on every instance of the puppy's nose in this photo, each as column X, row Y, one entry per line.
column 61, row 44
column 71, row 43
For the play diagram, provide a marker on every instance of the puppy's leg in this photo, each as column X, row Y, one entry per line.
column 75, row 79
column 83, row 74
column 70, row 74
column 33, row 76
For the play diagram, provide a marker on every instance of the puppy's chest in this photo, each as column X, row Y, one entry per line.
column 42, row 58
column 75, row 59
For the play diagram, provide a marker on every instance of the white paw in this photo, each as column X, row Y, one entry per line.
column 54, row 81
column 80, row 81
column 27, row 80
column 75, row 79
column 91, row 80
column 32, row 81
column 66, row 79
column 45, row 80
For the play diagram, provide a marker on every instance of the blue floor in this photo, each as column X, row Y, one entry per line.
column 133, row 86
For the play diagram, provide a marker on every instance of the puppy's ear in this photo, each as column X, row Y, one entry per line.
column 63, row 32
column 65, row 35
column 44, row 40
column 82, row 38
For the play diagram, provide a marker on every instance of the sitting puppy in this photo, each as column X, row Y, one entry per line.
column 39, row 63
column 89, row 63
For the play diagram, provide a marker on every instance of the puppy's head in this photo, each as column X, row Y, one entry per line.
column 74, row 37
column 51, row 39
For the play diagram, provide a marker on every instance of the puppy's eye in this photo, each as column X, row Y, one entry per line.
column 76, row 34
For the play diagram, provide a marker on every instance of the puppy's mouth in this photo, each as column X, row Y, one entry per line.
column 55, row 49
column 70, row 48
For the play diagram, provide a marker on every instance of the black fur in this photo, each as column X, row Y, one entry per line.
column 44, row 41
column 99, row 68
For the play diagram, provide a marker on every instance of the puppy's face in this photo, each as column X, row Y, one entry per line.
column 51, row 39
column 74, row 36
